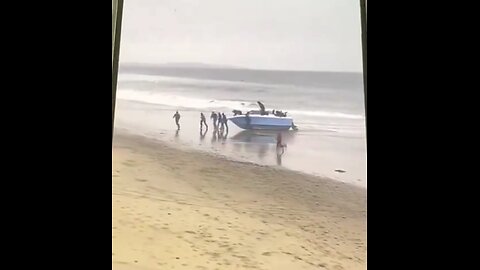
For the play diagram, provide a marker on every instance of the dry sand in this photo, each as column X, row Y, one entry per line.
column 178, row 209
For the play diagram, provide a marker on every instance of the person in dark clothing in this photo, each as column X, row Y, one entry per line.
column 262, row 108
column 214, row 117
column 221, row 125
column 236, row 112
column 247, row 119
column 177, row 119
column 203, row 121
column 224, row 121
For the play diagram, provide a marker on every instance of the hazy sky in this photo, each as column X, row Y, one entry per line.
column 320, row 35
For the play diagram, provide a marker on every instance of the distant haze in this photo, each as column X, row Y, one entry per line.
column 317, row 35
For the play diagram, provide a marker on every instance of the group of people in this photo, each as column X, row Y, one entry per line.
column 219, row 120
column 220, row 124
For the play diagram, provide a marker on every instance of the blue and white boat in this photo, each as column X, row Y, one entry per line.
column 262, row 120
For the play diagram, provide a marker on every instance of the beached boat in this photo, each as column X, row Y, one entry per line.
column 262, row 120
column 266, row 122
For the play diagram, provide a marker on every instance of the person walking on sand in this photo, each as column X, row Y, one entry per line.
column 177, row 119
column 203, row 121
column 214, row 117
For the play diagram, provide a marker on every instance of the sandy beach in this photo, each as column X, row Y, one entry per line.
column 185, row 209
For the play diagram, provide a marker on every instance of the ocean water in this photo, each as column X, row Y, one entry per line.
column 327, row 107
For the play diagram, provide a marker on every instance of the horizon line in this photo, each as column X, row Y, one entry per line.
column 221, row 66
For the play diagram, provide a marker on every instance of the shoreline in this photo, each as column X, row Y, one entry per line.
column 195, row 210
column 318, row 153
column 184, row 147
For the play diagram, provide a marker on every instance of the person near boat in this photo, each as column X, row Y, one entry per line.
column 280, row 145
column 247, row 119
column 224, row 122
column 219, row 123
column 214, row 118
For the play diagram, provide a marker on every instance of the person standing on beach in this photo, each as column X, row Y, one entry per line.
column 224, row 121
column 280, row 145
column 202, row 121
column 214, row 117
column 247, row 119
column 220, row 121
column 177, row 119
column 280, row 149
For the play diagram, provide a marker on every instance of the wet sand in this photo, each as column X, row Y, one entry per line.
column 184, row 209
column 315, row 152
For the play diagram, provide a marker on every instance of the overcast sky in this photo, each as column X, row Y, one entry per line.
column 323, row 35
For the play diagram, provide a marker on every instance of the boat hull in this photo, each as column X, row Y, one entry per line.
column 261, row 122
